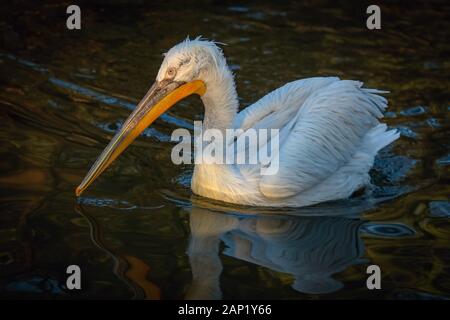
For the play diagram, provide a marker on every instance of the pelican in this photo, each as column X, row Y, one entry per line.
column 329, row 131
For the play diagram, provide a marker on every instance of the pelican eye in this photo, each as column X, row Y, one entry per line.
column 171, row 72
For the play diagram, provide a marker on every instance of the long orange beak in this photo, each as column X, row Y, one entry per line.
column 161, row 96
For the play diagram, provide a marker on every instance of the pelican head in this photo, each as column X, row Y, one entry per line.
column 191, row 60
column 190, row 67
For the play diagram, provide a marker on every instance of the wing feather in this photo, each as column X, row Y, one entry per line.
column 276, row 108
column 326, row 129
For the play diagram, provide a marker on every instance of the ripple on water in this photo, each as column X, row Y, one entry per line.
column 414, row 111
column 444, row 161
column 439, row 208
column 390, row 114
column 389, row 230
column 35, row 285
column 184, row 179
column 96, row 202
column 149, row 132
column 240, row 9
column 407, row 132
column 433, row 122
column 416, row 295
column 394, row 168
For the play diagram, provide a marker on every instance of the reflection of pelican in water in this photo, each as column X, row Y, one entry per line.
column 311, row 249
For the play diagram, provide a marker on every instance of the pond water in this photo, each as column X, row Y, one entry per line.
column 138, row 232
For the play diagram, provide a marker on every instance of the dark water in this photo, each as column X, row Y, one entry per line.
column 138, row 232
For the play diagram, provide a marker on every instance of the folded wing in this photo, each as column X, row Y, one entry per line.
column 322, row 123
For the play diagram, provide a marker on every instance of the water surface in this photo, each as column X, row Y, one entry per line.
column 138, row 232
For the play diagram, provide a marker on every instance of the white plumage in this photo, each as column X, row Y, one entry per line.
column 329, row 133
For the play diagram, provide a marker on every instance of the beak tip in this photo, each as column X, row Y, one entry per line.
column 78, row 191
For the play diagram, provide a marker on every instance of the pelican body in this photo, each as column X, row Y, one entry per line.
column 329, row 131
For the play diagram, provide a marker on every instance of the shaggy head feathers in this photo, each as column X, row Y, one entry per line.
column 191, row 60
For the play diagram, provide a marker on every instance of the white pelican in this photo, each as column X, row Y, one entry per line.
column 329, row 131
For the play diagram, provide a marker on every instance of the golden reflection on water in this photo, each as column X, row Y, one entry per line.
column 63, row 95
